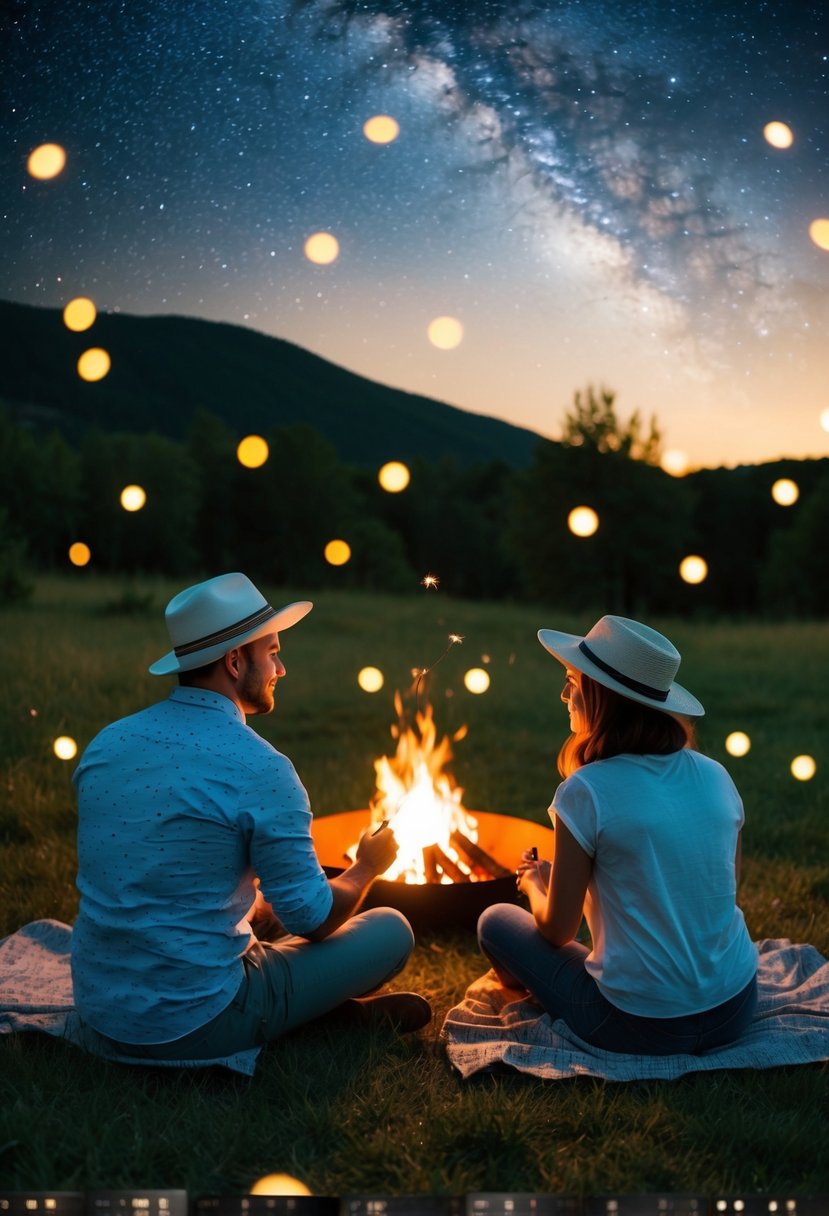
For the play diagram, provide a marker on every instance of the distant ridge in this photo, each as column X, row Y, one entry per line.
column 166, row 367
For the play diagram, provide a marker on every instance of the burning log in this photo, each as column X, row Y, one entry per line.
column 430, row 865
column 436, row 861
column 477, row 858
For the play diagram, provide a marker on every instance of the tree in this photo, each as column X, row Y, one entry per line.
column 593, row 423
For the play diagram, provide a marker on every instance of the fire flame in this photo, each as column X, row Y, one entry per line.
column 420, row 799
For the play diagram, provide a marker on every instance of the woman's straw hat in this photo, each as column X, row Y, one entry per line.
column 628, row 657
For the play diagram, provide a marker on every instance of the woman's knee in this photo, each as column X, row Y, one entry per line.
column 495, row 926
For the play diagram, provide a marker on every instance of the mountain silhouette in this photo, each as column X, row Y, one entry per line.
column 164, row 368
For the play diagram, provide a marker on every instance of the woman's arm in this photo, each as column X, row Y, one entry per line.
column 559, row 905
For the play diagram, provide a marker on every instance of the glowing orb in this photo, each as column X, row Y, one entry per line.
column 94, row 364
column 819, row 232
column 394, row 476
column 476, row 680
column 79, row 314
column 693, row 569
column 445, row 333
column 46, row 161
column 279, row 1184
column 675, row 462
column 778, row 134
column 65, row 747
column 824, row 420
column 322, row 248
column 133, row 498
column 370, row 679
column 785, row 492
column 582, row 521
column 337, row 552
column 803, row 768
column 252, row 451
column 381, row 129
column 79, row 553
column 738, row 743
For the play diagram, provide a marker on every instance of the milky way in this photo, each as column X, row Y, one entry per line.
column 586, row 186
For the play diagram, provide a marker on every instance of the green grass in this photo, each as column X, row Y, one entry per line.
column 373, row 1112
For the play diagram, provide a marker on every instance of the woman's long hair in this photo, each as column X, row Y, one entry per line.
column 614, row 725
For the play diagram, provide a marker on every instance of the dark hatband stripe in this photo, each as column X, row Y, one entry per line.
column 223, row 635
column 656, row 694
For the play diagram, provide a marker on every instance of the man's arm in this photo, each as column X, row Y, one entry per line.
column 374, row 855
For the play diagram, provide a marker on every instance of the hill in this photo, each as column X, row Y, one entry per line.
column 166, row 367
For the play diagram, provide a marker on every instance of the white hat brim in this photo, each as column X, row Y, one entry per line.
column 565, row 648
column 283, row 618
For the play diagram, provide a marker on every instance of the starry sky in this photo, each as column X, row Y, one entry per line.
column 584, row 185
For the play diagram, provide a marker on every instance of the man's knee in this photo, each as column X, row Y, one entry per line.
column 390, row 930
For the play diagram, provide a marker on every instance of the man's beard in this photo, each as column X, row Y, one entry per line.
column 255, row 691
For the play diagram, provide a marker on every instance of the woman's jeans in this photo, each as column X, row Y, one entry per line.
column 556, row 977
column 292, row 981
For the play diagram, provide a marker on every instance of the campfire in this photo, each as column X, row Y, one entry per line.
column 451, row 862
column 417, row 796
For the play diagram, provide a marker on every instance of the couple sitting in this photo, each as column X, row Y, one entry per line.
column 207, row 925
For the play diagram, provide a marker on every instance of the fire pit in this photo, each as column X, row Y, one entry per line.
column 435, row 905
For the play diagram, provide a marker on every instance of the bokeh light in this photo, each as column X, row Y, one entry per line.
column 381, row 129
column 133, row 498
column 693, row 569
column 738, row 743
column 252, row 451
column 79, row 553
column 79, row 314
column 778, row 134
column 476, row 680
column 370, row 679
column 322, row 248
column 785, row 492
column 675, row 462
column 803, row 768
column 819, row 232
column 445, row 333
column 94, row 364
column 394, row 476
column 65, row 747
column 337, row 552
column 824, row 419
column 583, row 521
column 46, row 161
column 279, row 1184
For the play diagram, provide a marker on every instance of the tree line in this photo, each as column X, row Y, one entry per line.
column 488, row 532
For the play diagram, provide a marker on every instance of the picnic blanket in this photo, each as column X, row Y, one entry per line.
column 490, row 1029
column 36, row 994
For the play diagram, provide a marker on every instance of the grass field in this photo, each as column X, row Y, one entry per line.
column 378, row 1113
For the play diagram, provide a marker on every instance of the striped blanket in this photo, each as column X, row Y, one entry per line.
column 490, row 1029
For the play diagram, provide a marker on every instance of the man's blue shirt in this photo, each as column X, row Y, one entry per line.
column 179, row 807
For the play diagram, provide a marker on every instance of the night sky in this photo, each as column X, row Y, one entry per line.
column 584, row 186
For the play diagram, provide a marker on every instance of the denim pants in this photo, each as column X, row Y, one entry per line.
column 292, row 981
column 556, row 977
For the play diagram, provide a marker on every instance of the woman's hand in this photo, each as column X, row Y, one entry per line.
column 532, row 874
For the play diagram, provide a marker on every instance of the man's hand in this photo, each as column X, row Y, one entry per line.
column 377, row 850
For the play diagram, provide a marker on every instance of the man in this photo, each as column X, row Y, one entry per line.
column 183, row 812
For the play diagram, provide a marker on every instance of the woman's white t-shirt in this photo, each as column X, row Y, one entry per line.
column 668, row 937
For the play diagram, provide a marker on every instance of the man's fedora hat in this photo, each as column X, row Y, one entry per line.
column 631, row 659
column 209, row 619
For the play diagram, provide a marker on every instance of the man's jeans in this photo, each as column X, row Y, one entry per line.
column 291, row 982
column 556, row 977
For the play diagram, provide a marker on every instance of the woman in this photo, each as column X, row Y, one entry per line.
column 647, row 849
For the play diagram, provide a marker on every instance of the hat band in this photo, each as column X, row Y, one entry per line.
column 225, row 635
column 657, row 694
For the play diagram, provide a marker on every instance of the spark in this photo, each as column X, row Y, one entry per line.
column 419, row 674
column 430, row 580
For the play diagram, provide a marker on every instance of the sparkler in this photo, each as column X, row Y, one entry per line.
column 430, row 580
column 420, row 673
